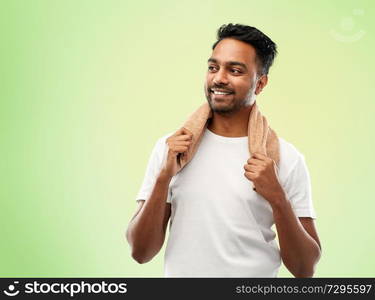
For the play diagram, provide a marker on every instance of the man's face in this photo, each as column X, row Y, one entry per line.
column 231, row 79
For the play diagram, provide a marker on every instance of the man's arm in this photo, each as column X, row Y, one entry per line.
column 299, row 243
column 146, row 230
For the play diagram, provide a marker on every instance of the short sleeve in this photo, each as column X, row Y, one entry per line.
column 152, row 171
column 298, row 189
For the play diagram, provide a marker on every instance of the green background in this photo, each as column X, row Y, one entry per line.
column 87, row 87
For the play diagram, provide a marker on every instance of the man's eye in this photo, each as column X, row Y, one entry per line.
column 211, row 68
column 235, row 71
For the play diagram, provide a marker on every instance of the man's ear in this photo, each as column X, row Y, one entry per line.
column 261, row 83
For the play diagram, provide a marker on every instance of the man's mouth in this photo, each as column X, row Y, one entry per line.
column 216, row 91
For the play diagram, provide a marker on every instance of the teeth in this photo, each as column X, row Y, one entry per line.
column 220, row 93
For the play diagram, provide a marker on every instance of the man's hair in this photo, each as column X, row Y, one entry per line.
column 264, row 47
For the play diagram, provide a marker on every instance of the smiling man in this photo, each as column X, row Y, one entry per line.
column 219, row 225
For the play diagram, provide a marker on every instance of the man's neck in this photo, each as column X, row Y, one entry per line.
column 233, row 125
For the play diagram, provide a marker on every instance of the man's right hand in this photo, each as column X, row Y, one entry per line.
column 177, row 143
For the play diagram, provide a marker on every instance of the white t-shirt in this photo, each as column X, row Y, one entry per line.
column 219, row 226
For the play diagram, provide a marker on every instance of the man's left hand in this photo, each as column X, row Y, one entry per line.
column 262, row 171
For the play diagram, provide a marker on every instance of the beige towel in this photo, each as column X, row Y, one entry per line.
column 261, row 137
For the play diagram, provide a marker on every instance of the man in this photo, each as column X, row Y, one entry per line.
column 219, row 225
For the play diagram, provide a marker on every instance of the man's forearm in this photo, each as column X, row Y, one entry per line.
column 299, row 251
column 146, row 232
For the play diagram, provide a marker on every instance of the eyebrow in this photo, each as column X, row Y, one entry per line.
column 231, row 63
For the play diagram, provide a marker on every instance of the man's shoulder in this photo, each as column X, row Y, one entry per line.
column 161, row 142
column 289, row 154
column 163, row 139
column 288, row 148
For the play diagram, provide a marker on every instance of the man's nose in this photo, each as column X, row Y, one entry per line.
column 220, row 77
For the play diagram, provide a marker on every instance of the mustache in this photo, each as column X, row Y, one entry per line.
column 221, row 88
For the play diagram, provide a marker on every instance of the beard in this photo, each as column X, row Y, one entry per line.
column 229, row 106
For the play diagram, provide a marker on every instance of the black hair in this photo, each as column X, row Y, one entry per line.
column 265, row 48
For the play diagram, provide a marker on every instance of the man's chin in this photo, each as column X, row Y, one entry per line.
column 221, row 109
